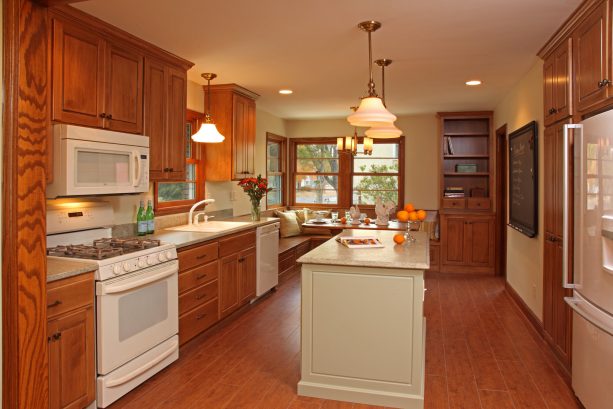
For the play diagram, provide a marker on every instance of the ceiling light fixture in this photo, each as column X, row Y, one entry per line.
column 208, row 132
column 473, row 83
column 371, row 111
column 387, row 130
column 286, row 91
column 350, row 143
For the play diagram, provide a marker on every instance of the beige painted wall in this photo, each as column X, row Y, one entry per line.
column 421, row 158
column 523, row 104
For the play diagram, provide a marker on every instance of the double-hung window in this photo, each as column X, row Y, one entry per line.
column 276, row 147
column 376, row 175
column 316, row 168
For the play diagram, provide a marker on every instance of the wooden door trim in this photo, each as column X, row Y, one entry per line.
column 26, row 119
column 501, row 201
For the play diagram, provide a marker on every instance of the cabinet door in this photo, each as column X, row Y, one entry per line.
column 175, row 142
column 71, row 360
column 228, row 285
column 156, row 113
column 590, row 59
column 78, row 75
column 247, row 276
column 479, row 235
column 453, row 237
column 562, row 103
column 240, row 131
column 250, row 139
column 124, row 90
column 549, row 86
column 550, row 175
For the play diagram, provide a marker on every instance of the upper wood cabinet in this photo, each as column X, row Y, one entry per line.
column 557, row 84
column 95, row 82
column 233, row 111
column 592, row 78
column 165, row 107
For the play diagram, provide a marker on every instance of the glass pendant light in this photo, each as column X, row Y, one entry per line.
column 371, row 111
column 385, row 130
column 208, row 132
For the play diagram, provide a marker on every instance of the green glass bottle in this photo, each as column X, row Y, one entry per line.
column 141, row 220
column 150, row 218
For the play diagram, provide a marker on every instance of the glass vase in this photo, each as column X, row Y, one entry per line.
column 255, row 212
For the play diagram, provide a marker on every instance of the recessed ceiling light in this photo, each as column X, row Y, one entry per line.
column 286, row 91
column 472, row 83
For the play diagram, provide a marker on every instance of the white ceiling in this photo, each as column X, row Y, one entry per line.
column 315, row 48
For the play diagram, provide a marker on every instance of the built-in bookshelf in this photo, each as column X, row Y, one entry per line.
column 466, row 164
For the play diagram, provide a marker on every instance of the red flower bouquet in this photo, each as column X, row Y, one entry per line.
column 256, row 188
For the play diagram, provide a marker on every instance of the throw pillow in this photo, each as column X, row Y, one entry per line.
column 289, row 224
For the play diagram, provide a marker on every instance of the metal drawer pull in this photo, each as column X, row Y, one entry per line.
column 54, row 304
column 603, row 83
column 200, row 277
column 200, row 316
column 200, row 297
column 201, row 257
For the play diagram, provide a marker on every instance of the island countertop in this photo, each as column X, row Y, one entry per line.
column 412, row 256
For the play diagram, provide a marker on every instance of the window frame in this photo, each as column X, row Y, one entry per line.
column 345, row 173
column 180, row 206
column 400, row 142
column 282, row 141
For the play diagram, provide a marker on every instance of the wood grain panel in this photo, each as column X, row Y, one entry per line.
column 69, row 294
column 124, row 90
column 26, row 116
column 195, row 256
column 177, row 103
column 228, row 285
column 155, row 116
column 199, row 275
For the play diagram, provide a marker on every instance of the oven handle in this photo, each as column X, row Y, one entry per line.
column 136, row 176
column 139, row 371
column 147, row 279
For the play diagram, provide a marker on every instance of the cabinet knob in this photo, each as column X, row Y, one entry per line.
column 552, row 110
column 102, row 115
column 109, row 116
column 604, row 83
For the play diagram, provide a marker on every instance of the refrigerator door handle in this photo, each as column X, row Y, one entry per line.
column 591, row 314
column 565, row 206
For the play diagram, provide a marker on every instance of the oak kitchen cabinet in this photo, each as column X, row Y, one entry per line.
column 71, row 340
column 467, row 243
column 237, row 272
column 233, row 111
column 165, row 107
column 95, row 82
column 557, row 71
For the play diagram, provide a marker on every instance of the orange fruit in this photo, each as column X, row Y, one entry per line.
column 409, row 207
column 413, row 216
column 343, row 220
column 421, row 215
column 403, row 216
column 367, row 221
column 399, row 238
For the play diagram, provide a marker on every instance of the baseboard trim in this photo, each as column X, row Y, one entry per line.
column 536, row 323
column 539, row 332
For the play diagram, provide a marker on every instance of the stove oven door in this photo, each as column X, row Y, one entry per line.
column 135, row 312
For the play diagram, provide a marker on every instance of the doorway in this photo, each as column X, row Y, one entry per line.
column 501, row 200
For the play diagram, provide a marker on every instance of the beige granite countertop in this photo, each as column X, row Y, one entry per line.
column 58, row 268
column 413, row 256
column 184, row 238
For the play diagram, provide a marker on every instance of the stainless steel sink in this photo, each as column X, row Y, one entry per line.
column 209, row 227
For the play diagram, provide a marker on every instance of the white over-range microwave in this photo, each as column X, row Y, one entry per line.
column 88, row 161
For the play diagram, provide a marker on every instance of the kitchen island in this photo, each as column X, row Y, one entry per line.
column 362, row 326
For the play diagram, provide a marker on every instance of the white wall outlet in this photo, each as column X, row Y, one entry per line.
column 207, row 195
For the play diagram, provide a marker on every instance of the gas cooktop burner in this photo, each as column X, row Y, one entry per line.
column 103, row 248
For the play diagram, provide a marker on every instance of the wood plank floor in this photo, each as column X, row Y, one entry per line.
column 480, row 353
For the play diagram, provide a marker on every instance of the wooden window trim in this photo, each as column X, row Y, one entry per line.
column 345, row 173
column 271, row 137
column 401, row 166
column 182, row 206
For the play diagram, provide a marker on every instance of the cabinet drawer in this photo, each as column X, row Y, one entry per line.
column 197, row 296
column 454, row 203
column 478, row 203
column 68, row 294
column 302, row 249
column 190, row 279
column 195, row 256
column 197, row 320
column 236, row 243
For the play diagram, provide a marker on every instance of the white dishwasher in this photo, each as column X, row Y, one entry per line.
column 267, row 257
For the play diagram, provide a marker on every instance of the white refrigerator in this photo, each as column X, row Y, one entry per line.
column 592, row 278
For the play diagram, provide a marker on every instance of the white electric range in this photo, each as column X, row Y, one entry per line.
column 137, row 315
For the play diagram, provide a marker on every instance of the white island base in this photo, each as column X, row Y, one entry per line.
column 363, row 331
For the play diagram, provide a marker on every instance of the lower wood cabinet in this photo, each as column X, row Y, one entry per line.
column 246, row 275
column 467, row 243
column 237, row 281
column 71, row 340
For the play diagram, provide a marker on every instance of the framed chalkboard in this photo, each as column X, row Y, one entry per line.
column 523, row 179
